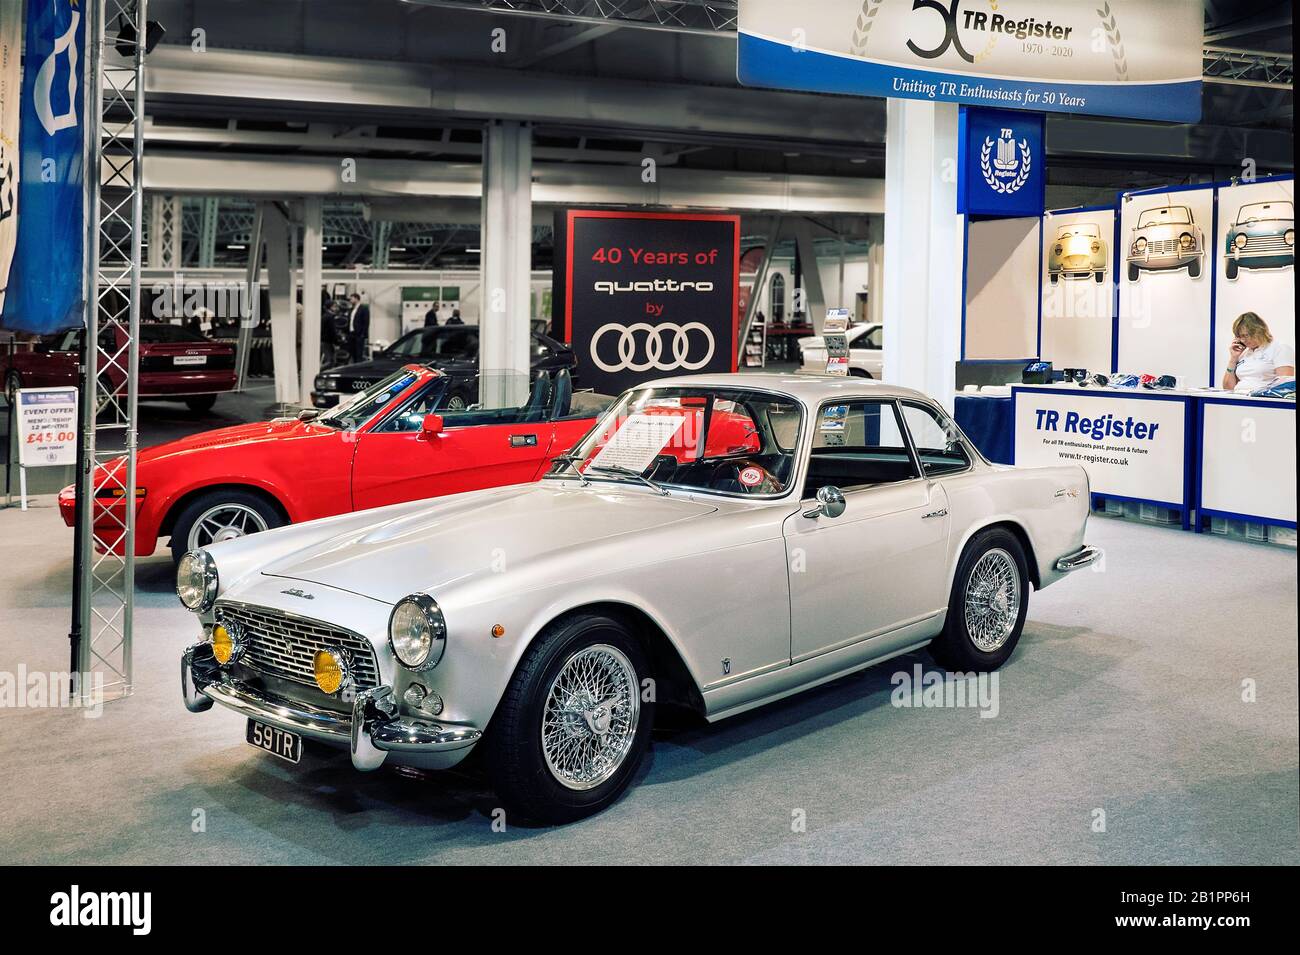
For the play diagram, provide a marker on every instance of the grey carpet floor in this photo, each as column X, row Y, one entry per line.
column 1125, row 697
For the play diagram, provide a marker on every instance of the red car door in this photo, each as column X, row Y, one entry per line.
column 393, row 464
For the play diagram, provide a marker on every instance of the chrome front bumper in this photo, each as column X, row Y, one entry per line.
column 372, row 731
column 1082, row 557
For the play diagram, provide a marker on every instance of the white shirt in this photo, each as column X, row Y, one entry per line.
column 352, row 317
column 1255, row 367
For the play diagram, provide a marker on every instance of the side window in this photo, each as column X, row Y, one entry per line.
column 857, row 444
column 871, row 339
column 937, row 443
column 541, row 350
column 412, row 415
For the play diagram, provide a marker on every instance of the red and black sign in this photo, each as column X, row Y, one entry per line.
column 646, row 295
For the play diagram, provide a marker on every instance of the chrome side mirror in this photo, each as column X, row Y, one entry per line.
column 830, row 503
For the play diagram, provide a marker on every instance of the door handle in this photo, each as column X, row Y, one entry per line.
column 523, row 441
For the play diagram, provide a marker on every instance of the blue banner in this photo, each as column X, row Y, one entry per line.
column 1002, row 169
column 46, row 277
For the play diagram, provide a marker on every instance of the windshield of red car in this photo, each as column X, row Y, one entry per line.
column 440, row 341
column 726, row 441
column 355, row 410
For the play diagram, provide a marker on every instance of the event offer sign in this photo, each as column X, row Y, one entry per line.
column 648, row 295
column 1130, row 446
column 47, row 427
column 1138, row 58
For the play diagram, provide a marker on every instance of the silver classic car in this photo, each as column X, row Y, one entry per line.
column 1079, row 252
column 715, row 542
column 1166, row 238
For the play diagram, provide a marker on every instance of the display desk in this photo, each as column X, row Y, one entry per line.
column 1246, row 459
column 986, row 420
column 1136, row 445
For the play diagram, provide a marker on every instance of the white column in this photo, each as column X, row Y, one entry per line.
column 284, row 320
column 313, row 214
column 876, row 270
column 923, row 248
column 506, row 254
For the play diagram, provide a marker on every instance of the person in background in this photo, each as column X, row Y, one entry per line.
column 358, row 327
column 1255, row 359
column 455, row 318
column 431, row 318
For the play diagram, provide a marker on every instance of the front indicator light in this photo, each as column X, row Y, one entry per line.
column 227, row 643
column 330, row 667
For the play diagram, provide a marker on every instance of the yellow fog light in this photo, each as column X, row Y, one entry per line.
column 330, row 667
column 223, row 644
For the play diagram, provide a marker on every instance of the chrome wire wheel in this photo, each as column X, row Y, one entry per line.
column 992, row 600
column 590, row 717
column 224, row 522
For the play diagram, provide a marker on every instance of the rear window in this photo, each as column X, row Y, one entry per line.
column 163, row 334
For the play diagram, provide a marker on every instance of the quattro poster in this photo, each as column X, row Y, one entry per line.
column 1138, row 58
column 647, row 295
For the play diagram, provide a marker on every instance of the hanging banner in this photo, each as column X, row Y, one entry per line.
column 11, row 81
column 44, row 292
column 1140, row 58
column 1002, row 171
column 647, row 294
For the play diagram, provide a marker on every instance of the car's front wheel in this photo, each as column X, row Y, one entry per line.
column 1230, row 268
column 218, row 516
column 201, row 404
column 1194, row 269
column 988, row 604
column 12, row 383
column 572, row 727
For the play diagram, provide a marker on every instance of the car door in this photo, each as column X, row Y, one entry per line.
column 879, row 565
column 395, row 461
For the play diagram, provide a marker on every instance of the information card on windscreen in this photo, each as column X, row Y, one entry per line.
column 638, row 441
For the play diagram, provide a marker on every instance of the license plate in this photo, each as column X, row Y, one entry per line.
column 275, row 741
column 179, row 360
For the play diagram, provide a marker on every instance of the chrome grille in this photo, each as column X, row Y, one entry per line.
column 1267, row 243
column 283, row 645
column 1163, row 247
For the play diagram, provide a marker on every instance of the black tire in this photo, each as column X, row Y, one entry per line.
column 1053, row 277
column 13, row 381
column 196, row 508
column 956, row 648
column 1132, row 273
column 1230, row 268
column 200, row 404
column 859, row 373
column 516, row 763
column 1194, row 269
column 1099, row 276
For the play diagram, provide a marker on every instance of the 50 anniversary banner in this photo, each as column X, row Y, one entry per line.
column 1136, row 58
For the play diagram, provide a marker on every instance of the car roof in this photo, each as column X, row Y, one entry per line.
column 810, row 389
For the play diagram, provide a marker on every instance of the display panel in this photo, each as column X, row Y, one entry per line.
column 1001, row 319
column 1165, row 257
column 1248, row 458
column 650, row 294
column 1255, row 262
column 1078, row 291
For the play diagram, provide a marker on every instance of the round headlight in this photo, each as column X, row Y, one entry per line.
column 1140, row 244
column 331, row 669
column 1240, row 240
column 1289, row 236
column 1058, row 249
column 417, row 632
column 196, row 580
column 1185, row 240
column 1096, row 247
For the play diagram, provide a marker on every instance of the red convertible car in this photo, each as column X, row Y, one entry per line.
column 174, row 363
column 391, row 443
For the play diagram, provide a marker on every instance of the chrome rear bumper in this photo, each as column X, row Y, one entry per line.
column 370, row 732
column 1082, row 557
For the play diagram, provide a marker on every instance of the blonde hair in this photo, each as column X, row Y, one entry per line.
column 1248, row 323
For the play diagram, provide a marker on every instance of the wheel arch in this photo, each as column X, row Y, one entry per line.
column 184, row 500
column 1017, row 530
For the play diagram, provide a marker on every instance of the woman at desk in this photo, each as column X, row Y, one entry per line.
column 1255, row 359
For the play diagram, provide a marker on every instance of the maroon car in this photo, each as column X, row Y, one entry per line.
column 175, row 362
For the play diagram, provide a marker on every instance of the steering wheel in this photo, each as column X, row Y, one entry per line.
column 752, row 477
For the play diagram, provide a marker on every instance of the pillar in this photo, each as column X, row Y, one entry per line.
column 506, row 256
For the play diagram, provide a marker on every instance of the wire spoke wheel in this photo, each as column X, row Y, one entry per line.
column 992, row 600
column 590, row 717
column 225, row 522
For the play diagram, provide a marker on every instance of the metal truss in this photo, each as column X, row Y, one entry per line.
column 1238, row 67
column 105, row 566
column 678, row 16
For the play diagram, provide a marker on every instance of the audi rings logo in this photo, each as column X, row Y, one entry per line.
column 656, row 338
